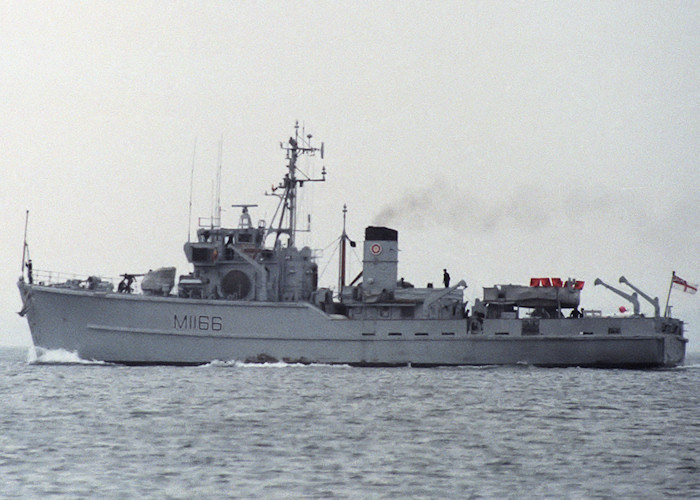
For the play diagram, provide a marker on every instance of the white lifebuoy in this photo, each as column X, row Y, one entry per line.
column 375, row 249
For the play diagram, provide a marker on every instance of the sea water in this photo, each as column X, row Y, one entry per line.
column 72, row 428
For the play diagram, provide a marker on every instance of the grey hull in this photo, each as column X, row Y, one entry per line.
column 136, row 329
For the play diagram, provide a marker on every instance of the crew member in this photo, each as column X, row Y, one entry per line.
column 125, row 284
column 446, row 278
column 575, row 313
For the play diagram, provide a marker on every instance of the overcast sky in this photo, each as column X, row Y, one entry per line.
column 504, row 140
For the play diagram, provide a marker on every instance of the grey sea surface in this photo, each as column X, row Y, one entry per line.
column 75, row 429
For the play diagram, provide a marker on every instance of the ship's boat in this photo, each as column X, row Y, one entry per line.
column 253, row 296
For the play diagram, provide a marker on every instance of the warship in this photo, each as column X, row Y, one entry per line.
column 253, row 296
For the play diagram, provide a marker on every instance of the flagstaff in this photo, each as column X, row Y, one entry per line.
column 668, row 297
column 24, row 247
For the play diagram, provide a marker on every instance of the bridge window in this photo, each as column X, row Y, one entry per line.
column 200, row 254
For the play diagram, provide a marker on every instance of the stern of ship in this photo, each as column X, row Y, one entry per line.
column 674, row 341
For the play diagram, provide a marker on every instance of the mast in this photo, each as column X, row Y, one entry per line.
column 344, row 240
column 293, row 179
column 292, row 192
column 343, row 237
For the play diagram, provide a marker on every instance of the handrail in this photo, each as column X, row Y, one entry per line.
column 52, row 278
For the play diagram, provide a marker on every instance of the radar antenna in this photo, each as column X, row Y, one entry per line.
column 244, row 221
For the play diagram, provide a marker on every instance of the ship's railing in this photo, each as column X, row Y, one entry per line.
column 68, row 280
column 214, row 222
